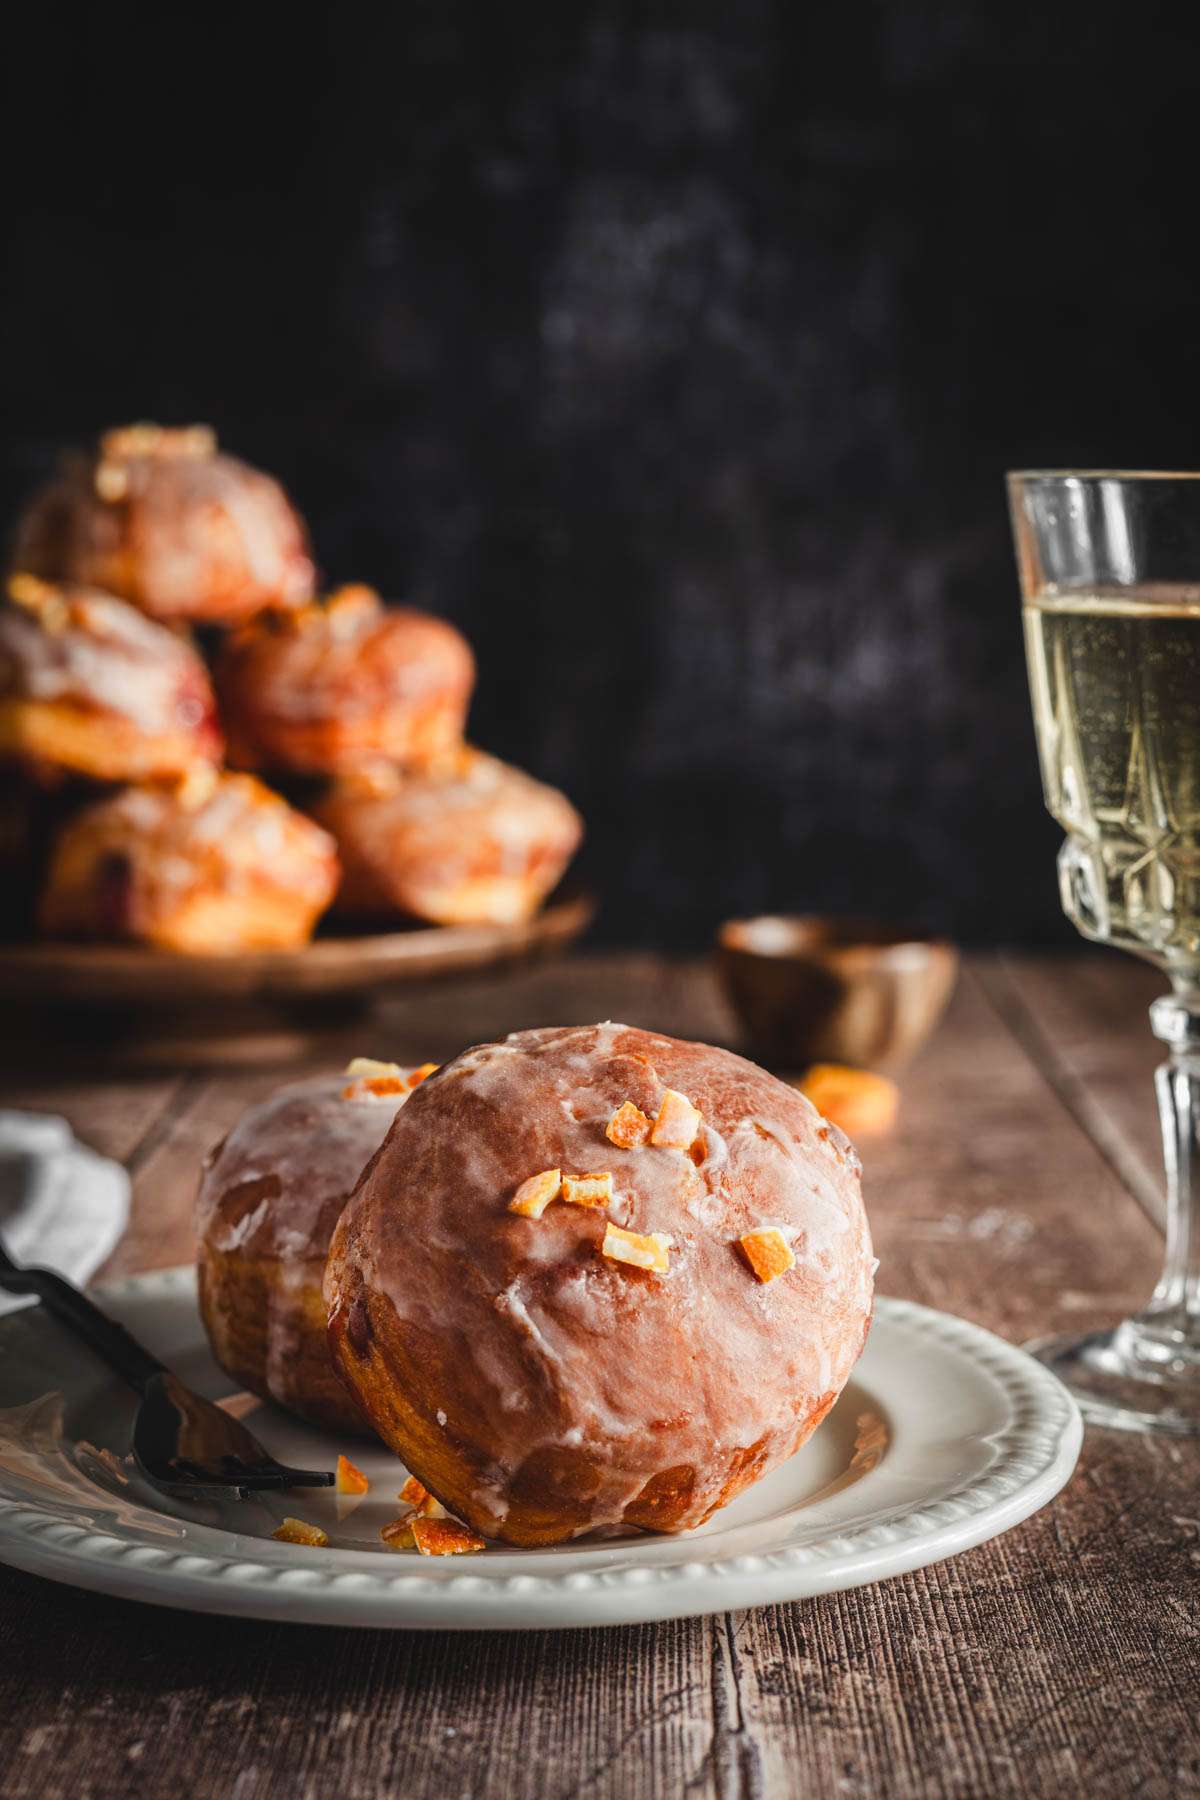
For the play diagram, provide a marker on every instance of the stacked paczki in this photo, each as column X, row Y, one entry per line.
column 590, row 1278
column 103, row 686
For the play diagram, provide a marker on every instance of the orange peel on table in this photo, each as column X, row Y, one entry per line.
column 861, row 1103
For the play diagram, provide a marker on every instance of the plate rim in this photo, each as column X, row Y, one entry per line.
column 1039, row 1448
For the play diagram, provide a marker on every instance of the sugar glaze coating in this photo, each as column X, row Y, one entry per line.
column 88, row 683
column 542, row 1390
column 327, row 687
column 213, row 863
column 269, row 1198
column 163, row 519
column 466, row 840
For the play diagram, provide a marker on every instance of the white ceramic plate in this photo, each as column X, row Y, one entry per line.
column 945, row 1437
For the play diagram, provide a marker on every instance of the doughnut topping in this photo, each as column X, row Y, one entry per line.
column 588, row 1190
column 414, row 1493
column 197, row 787
column 375, row 1087
column 534, row 1196
column 768, row 1252
column 39, row 597
column 158, row 440
column 677, row 1124
column 628, row 1126
column 648, row 1251
column 296, row 1531
column 432, row 1537
column 380, row 1080
column 367, row 1065
column 129, row 442
column 349, row 1479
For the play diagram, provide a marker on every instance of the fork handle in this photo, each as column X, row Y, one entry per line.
column 109, row 1340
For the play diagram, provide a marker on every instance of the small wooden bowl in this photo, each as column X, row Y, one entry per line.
column 811, row 989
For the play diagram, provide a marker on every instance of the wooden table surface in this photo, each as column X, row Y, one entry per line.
column 1019, row 1189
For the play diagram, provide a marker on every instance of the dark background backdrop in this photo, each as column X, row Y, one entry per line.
column 675, row 353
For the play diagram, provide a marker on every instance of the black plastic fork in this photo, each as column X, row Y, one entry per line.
column 181, row 1442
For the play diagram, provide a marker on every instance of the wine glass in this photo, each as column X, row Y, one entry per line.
column 1109, row 563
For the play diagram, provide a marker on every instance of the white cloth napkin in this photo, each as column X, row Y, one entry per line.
column 61, row 1205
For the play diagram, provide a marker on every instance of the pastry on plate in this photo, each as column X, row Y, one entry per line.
column 210, row 864
column 466, row 841
column 597, row 1279
column 269, row 1198
column 329, row 686
column 161, row 518
column 88, row 684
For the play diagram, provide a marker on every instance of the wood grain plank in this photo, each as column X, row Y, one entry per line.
column 1058, row 1659
column 113, row 1117
column 1084, row 1022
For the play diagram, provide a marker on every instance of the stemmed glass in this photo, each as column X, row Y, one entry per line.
column 1109, row 564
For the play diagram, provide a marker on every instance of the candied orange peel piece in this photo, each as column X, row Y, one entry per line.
column 196, row 787
column 398, row 1534
column 860, row 1102
column 445, row 1537
column 144, row 439
column 595, row 1189
column 111, row 481
column 676, row 1123
column 767, row 1251
column 297, row 1531
column 349, row 608
column 643, row 1251
column 41, row 597
column 349, row 1479
column 423, row 1074
column 628, row 1126
column 432, row 1537
column 367, row 1066
column 31, row 590
column 375, row 1080
column 534, row 1195
column 414, row 1493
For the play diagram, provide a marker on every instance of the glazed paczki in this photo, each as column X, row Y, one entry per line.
column 466, row 841
column 323, row 689
column 162, row 519
column 90, row 686
column 269, row 1198
column 213, row 863
column 597, row 1278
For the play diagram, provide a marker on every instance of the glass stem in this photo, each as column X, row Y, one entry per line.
column 1172, row 1319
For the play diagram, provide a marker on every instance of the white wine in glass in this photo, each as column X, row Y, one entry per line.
column 1110, row 577
column 1116, row 699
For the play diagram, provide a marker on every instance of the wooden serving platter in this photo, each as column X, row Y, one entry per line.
column 118, row 974
column 123, row 1006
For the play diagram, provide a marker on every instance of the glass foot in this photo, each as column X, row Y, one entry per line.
column 1127, row 1379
